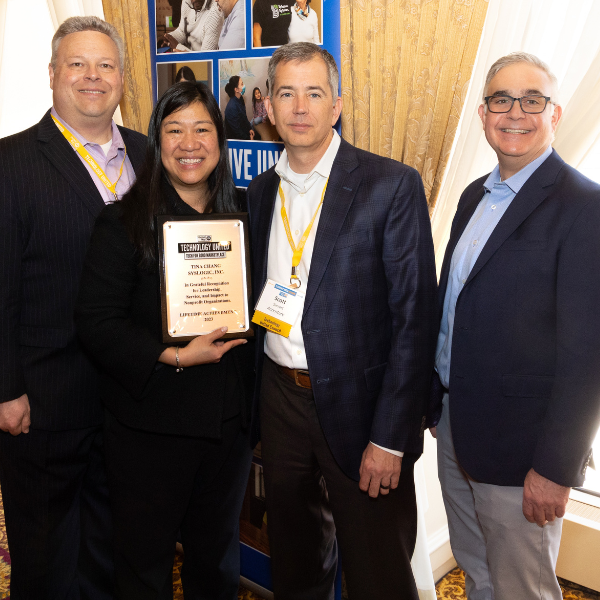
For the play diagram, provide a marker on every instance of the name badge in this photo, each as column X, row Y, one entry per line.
column 277, row 308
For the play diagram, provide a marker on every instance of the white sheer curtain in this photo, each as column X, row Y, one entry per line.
column 579, row 128
column 26, row 30
column 564, row 33
column 421, row 562
column 24, row 91
column 63, row 9
column 3, row 4
column 3, row 7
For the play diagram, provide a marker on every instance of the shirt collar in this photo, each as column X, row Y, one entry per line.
column 322, row 168
column 518, row 180
column 117, row 139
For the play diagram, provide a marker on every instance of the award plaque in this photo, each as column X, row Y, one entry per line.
column 204, row 275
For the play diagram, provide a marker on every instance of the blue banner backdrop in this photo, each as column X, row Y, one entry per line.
column 247, row 158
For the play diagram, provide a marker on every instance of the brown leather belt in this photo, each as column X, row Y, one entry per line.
column 300, row 377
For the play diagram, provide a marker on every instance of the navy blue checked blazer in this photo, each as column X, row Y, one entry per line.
column 525, row 363
column 48, row 205
column 369, row 315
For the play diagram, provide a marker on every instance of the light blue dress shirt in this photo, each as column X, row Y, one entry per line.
column 496, row 200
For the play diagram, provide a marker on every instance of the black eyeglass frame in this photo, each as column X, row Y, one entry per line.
column 496, row 112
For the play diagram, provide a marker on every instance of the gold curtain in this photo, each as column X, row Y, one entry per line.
column 130, row 17
column 406, row 66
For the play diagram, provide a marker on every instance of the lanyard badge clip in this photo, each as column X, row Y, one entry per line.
column 295, row 281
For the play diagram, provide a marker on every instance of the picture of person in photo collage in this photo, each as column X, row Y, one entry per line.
column 200, row 25
column 290, row 21
column 169, row 73
column 242, row 88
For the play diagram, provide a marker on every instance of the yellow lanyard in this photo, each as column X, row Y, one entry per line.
column 80, row 149
column 297, row 250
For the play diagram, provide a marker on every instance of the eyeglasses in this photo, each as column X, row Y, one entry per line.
column 529, row 104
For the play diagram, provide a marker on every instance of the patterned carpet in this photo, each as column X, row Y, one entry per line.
column 243, row 594
column 4, row 557
column 450, row 587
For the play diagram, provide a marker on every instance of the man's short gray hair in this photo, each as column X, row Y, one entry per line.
column 303, row 52
column 522, row 57
column 78, row 24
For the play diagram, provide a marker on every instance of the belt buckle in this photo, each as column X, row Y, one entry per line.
column 301, row 372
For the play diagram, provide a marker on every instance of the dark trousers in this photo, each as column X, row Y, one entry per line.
column 162, row 484
column 311, row 502
column 58, row 520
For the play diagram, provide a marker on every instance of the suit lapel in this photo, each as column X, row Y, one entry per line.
column 532, row 194
column 265, row 219
column 463, row 219
column 341, row 190
column 135, row 157
column 59, row 152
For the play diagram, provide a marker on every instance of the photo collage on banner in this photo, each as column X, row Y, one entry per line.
column 227, row 44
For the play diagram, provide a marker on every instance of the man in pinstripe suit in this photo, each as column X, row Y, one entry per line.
column 51, row 190
column 342, row 398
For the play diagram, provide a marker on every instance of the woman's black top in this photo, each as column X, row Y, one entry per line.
column 118, row 319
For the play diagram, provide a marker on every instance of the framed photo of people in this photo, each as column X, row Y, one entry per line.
column 227, row 45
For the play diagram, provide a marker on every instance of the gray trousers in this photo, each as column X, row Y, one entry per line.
column 504, row 556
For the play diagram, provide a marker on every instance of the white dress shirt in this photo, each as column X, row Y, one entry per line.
column 302, row 196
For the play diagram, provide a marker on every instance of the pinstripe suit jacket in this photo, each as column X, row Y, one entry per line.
column 369, row 315
column 48, row 205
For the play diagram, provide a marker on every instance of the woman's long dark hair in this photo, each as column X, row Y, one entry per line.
column 254, row 100
column 145, row 199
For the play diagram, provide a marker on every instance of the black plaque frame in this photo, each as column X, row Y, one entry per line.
column 160, row 221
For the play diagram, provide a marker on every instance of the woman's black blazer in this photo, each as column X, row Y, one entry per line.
column 118, row 319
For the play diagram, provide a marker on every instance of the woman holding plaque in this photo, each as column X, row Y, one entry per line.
column 176, row 436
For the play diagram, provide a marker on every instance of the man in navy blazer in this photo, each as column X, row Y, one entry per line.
column 342, row 400
column 51, row 461
column 518, row 353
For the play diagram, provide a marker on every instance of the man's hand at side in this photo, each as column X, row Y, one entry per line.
column 543, row 500
column 379, row 468
column 15, row 416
